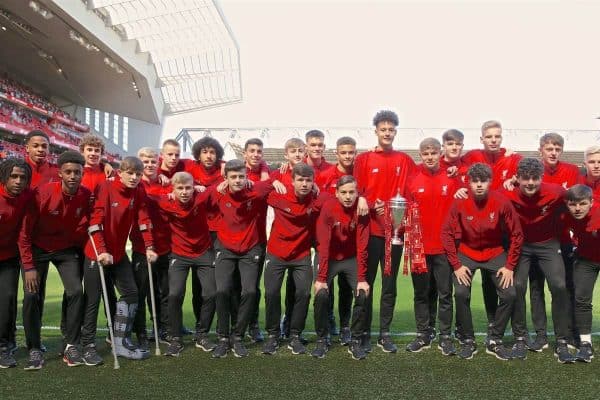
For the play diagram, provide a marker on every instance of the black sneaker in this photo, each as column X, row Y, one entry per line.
column 296, row 345
column 203, row 342
column 72, row 356
column 164, row 338
column 271, row 345
column 446, row 346
column 585, row 352
column 12, row 347
column 238, row 348
column 497, row 349
column 468, row 349
column 43, row 348
column 420, row 343
column 175, row 347
column 356, row 350
column 573, row 344
column 519, row 349
column 432, row 334
column 320, row 350
column 36, row 360
column 221, row 349
column 386, row 344
column 91, row 356
column 561, row 352
column 365, row 343
column 255, row 335
column 539, row 344
column 345, row 336
column 459, row 337
column 143, row 342
column 6, row 358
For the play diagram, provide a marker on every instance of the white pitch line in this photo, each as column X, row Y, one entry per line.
column 399, row 334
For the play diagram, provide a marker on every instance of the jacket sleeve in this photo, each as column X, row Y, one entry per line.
column 143, row 217
column 362, row 242
column 448, row 236
column 359, row 173
column 513, row 225
column 25, row 235
column 323, row 236
column 97, row 217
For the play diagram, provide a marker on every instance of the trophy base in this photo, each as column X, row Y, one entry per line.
column 397, row 242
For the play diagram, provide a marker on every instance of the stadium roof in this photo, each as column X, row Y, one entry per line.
column 140, row 59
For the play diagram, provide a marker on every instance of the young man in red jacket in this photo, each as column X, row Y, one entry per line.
column 15, row 175
column 453, row 142
column 566, row 175
column 37, row 146
column 288, row 250
column 381, row 174
column 118, row 205
column 191, row 250
column 238, row 248
column 479, row 223
column 315, row 154
column 56, row 217
column 433, row 192
column 345, row 152
column 161, row 233
column 591, row 157
column 583, row 220
column 539, row 206
column 342, row 238
column 95, row 171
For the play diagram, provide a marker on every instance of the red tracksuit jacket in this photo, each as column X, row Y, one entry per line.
column 503, row 167
column 189, row 231
column 540, row 214
column 292, row 232
column 380, row 175
column 433, row 192
column 42, row 173
column 53, row 220
column 94, row 177
column 161, row 231
column 239, row 214
column 595, row 185
column 565, row 174
column 586, row 232
column 481, row 226
column 461, row 166
column 330, row 177
column 341, row 234
column 116, row 209
column 12, row 210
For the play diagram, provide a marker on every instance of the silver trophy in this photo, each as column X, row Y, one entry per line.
column 397, row 206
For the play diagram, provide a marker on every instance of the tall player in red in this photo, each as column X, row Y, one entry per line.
column 381, row 174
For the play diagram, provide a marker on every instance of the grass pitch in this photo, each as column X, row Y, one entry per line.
column 427, row 375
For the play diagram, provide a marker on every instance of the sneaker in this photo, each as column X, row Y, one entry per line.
column 255, row 335
column 420, row 343
column 345, row 336
column 519, row 349
column 468, row 349
column 91, row 356
column 573, row 344
column 296, row 345
column 539, row 344
column 365, row 343
column 143, row 342
column 164, row 338
column 203, row 342
column 432, row 334
column 497, row 349
column 561, row 352
column 6, row 358
column 175, row 347
column 72, row 357
column 271, row 345
column 36, row 360
column 124, row 347
column 356, row 350
column 386, row 344
column 221, row 349
column 238, row 348
column 585, row 353
column 446, row 345
column 320, row 350
column 43, row 348
column 459, row 337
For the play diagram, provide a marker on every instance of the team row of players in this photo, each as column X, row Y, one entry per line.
column 207, row 196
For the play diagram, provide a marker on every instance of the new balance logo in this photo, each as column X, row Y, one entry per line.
column 375, row 170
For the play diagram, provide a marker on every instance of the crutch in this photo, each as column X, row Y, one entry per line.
column 106, row 306
column 153, row 303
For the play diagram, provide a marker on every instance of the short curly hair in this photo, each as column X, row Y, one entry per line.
column 386, row 116
column 530, row 168
column 206, row 143
column 479, row 172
